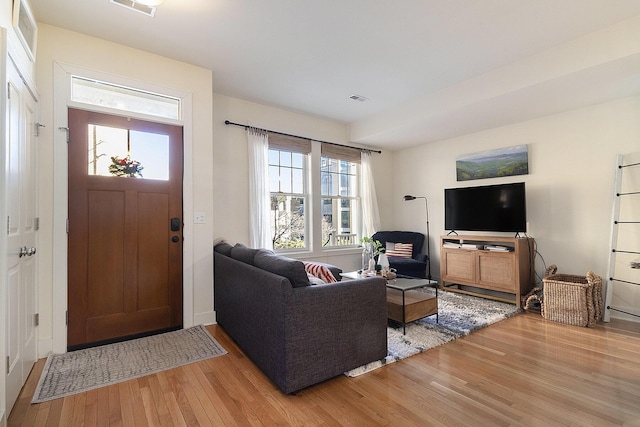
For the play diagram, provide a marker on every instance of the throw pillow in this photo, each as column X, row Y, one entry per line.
column 315, row 280
column 320, row 271
column 401, row 250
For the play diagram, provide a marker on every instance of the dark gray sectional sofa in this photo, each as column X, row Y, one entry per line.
column 297, row 334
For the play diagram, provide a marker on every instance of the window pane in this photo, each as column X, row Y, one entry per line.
column 274, row 179
column 338, row 227
column 285, row 158
column 152, row 151
column 105, row 143
column 288, row 222
column 339, row 178
column 121, row 152
column 285, row 180
column 274, row 157
column 298, row 181
column 110, row 95
column 298, row 160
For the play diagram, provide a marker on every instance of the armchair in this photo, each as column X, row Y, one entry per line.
column 416, row 266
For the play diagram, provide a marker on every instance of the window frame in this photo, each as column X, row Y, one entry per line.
column 314, row 197
column 305, row 195
column 354, row 198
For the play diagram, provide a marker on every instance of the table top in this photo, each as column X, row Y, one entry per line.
column 408, row 284
column 401, row 284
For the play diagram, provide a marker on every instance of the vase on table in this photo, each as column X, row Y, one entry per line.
column 367, row 256
column 384, row 263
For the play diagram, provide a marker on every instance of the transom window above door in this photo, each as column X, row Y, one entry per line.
column 110, row 95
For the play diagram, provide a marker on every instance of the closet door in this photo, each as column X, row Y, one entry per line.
column 21, row 227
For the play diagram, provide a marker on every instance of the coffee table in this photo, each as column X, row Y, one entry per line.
column 406, row 304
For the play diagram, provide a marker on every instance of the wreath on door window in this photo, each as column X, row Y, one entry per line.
column 125, row 166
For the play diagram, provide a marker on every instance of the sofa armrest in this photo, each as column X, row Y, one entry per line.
column 345, row 323
column 421, row 258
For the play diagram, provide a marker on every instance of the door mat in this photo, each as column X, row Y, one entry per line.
column 91, row 368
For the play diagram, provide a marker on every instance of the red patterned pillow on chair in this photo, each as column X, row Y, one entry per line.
column 401, row 250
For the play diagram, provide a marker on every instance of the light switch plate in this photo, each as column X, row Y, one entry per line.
column 199, row 218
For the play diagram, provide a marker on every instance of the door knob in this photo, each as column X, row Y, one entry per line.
column 31, row 251
column 22, row 252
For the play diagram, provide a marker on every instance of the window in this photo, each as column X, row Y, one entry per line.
column 339, row 202
column 109, row 145
column 337, row 222
column 122, row 98
column 287, row 187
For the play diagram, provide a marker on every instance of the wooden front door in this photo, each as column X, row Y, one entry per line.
column 125, row 232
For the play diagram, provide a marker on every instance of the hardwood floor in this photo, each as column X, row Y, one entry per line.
column 521, row 371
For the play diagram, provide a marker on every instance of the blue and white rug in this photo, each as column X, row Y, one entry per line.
column 458, row 314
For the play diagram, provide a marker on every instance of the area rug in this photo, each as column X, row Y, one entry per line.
column 83, row 370
column 459, row 315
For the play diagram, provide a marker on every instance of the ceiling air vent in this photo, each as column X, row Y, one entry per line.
column 358, row 98
column 134, row 5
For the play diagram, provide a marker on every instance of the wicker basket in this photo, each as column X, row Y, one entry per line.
column 573, row 300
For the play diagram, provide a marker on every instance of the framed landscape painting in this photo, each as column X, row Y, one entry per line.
column 493, row 163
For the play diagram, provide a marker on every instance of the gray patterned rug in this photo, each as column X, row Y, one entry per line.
column 459, row 315
column 83, row 370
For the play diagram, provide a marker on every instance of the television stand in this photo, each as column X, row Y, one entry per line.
column 498, row 268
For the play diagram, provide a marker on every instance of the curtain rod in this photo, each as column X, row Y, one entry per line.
column 227, row 122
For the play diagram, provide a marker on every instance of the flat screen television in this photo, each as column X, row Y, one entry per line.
column 486, row 208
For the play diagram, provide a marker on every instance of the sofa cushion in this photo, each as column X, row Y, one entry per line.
column 320, row 271
column 292, row 269
column 242, row 253
column 224, row 248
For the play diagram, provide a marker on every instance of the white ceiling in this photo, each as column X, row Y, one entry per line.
column 409, row 57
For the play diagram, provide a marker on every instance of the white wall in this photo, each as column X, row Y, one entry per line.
column 569, row 186
column 58, row 46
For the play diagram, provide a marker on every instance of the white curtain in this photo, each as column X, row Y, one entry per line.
column 259, row 198
column 370, row 214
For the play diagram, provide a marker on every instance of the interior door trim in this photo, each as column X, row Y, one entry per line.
column 61, row 73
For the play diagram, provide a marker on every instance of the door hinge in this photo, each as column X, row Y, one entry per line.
column 67, row 225
column 8, row 90
column 36, row 319
column 66, row 315
column 36, row 223
column 66, row 129
column 8, row 224
column 8, row 365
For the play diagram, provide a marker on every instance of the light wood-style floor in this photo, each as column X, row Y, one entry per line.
column 521, row 371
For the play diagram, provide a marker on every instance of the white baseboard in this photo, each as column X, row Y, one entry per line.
column 45, row 347
column 206, row 318
column 622, row 316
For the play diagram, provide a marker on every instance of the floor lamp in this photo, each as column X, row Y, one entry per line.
column 426, row 205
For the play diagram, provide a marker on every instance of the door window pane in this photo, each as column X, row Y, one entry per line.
column 121, row 152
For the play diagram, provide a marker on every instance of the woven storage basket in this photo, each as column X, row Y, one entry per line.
column 573, row 300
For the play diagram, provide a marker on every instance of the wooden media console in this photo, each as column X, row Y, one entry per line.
column 507, row 272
